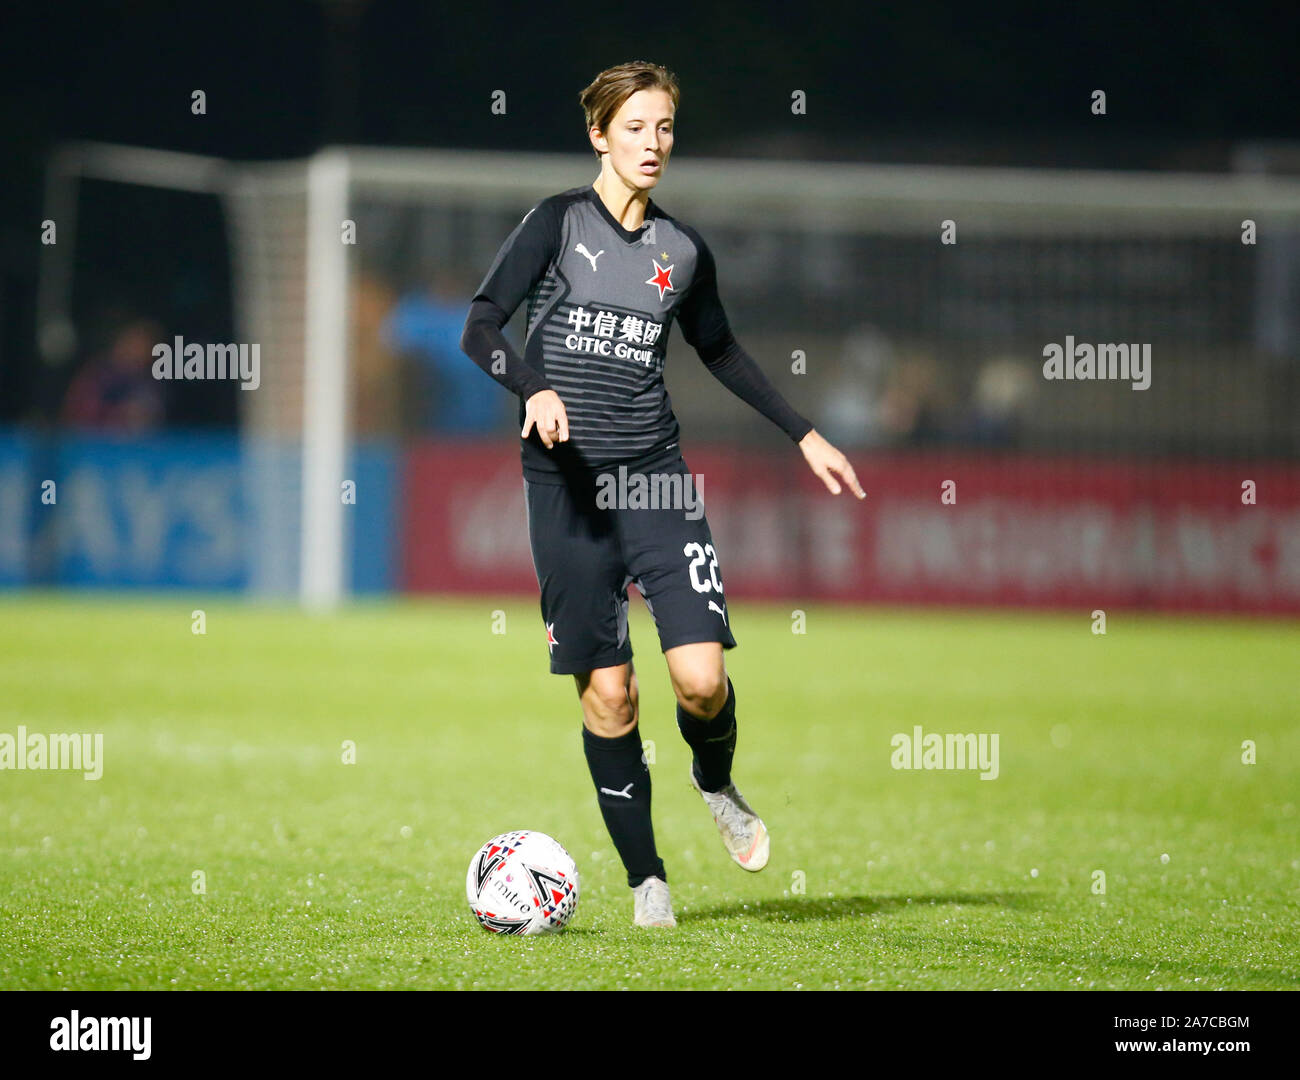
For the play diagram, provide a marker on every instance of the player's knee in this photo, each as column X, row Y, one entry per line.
column 609, row 709
column 701, row 693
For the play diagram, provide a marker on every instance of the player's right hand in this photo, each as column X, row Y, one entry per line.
column 827, row 462
column 546, row 410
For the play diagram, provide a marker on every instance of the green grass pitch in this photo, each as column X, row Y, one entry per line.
column 223, row 754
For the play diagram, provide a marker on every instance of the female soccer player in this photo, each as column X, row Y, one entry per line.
column 605, row 271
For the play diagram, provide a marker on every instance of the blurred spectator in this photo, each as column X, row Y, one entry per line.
column 850, row 414
column 1002, row 391
column 914, row 403
column 426, row 325
column 115, row 390
column 380, row 399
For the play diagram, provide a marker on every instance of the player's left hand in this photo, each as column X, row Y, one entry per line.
column 825, row 461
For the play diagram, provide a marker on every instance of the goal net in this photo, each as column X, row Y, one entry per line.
column 899, row 307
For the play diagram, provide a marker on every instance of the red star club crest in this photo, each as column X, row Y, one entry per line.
column 662, row 279
column 550, row 637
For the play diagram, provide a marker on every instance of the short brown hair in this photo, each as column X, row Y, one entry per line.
column 605, row 96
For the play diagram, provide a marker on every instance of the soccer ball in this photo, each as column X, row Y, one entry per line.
column 522, row 883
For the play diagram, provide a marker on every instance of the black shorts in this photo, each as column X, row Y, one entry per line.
column 592, row 537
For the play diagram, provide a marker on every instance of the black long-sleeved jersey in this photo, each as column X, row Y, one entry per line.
column 601, row 300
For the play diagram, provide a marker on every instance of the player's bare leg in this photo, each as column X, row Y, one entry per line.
column 612, row 741
column 706, row 716
column 610, row 700
column 699, row 677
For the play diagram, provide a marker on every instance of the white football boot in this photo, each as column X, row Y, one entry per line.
column 654, row 905
column 742, row 830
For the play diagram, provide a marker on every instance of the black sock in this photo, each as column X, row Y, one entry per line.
column 713, row 741
column 622, row 782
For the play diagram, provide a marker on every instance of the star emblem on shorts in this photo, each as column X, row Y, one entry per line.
column 662, row 279
column 550, row 637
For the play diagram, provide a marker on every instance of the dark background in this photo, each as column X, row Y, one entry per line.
column 1187, row 85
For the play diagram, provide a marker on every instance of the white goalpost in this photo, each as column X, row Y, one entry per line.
column 325, row 381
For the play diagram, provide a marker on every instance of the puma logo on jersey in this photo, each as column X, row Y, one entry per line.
column 626, row 793
column 714, row 607
column 581, row 249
